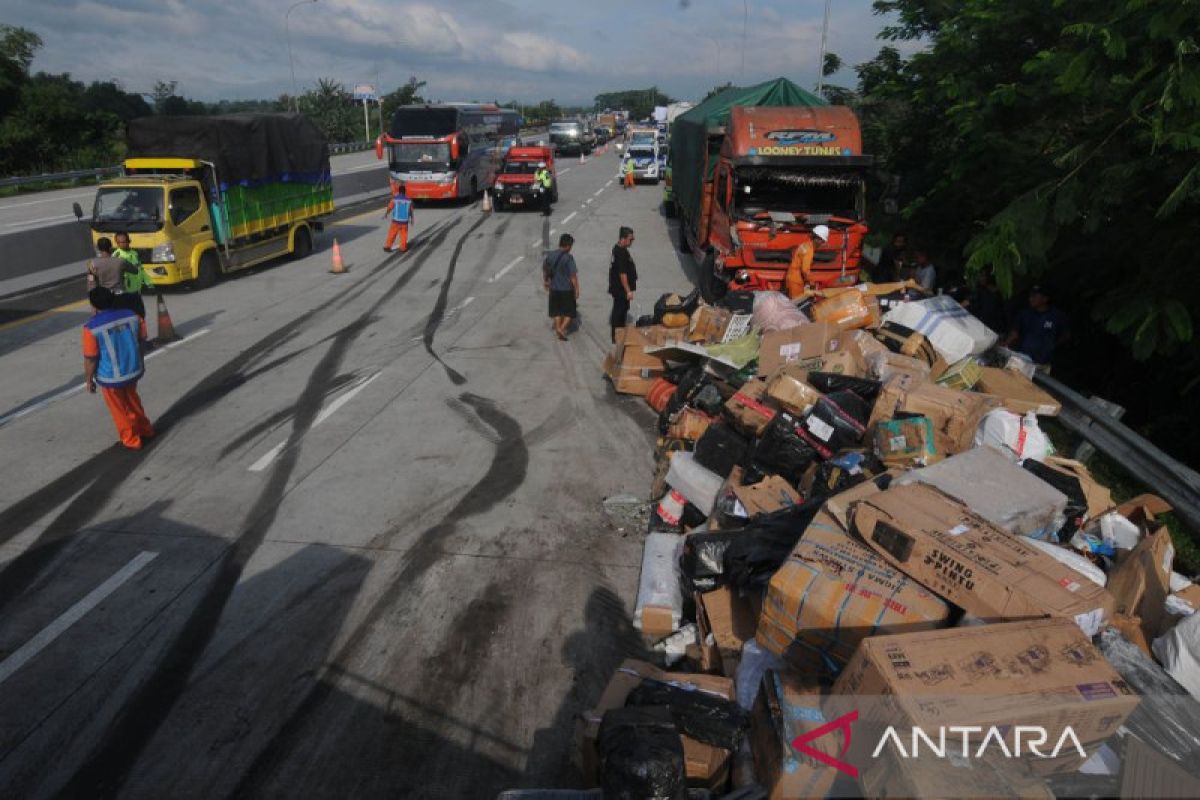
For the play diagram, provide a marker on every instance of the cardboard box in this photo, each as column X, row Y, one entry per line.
column 847, row 310
column 797, row 345
column 689, row 424
column 770, row 494
column 955, row 415
column 882, row 366
column 792, row 393
column 1145, row 772
column 979, row 567
column 906, row 442
column 750, row 408
column 838, row 506
column 786, row 708
column 1032, row 673
column 631, row 369
column 730, row 619
column 707, row 766
column 961, row 375
column 893, row 776
column 833, row 592
column 1141, row 582
column 1016, row 392
column 708, row 324
column 627, row 379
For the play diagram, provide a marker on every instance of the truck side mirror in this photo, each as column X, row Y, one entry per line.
column 78, row 211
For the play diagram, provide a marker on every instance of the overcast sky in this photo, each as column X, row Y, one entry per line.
column 529, row 50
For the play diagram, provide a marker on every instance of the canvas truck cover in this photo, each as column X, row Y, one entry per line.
column 247, row 149
column 691, row 131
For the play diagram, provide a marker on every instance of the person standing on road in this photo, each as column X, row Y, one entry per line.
column 134, row 284
column 561, row 279
column 627, row 170
column 1039, row 329
column 108, row 271
column 622, row 280
column 400, row 210
column 543, row 177
column 113, row 342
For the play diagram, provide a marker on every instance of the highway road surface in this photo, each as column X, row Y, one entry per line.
column 367, row 554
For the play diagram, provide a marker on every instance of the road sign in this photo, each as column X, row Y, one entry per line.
column 365, row 91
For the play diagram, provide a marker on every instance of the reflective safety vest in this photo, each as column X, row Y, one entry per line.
column 628, row 165
column 134, row 283
column 401, row 209
column 113, row 338
column 543, row 177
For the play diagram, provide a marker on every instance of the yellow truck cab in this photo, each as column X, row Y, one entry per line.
column 195, row 218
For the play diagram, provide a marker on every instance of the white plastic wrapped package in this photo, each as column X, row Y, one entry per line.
column 952, row 330
column 697, row 484
column 1014, row 434
column 1115, row 530
column 774, row 311
column 753, row 665
column 658, row 586
column 1073, row 560
column 1178, row 650
column 992, row 485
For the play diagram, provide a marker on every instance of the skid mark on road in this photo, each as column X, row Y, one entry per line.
column 439, row 307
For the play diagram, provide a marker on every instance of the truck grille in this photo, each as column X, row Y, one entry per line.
column 773, row 256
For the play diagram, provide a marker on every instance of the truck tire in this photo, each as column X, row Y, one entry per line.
column 669, row 209
column 302, row 243
column 683, row 242
column 712, row 288
column 208, row 270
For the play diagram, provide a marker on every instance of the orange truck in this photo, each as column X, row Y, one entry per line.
column 754, row 171
column 516, row 186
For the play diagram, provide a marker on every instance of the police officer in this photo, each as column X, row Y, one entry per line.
column 545, row 180
column 135, row 283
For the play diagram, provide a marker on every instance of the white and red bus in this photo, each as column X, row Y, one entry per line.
column 446, row 151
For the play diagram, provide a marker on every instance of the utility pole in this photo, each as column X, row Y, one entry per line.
column 824, row 37
column 745, row 19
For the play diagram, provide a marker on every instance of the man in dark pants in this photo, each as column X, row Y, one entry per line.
column 561, row 279
column 622, row 279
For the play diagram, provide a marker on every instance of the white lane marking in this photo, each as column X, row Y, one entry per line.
column 15, row 415
column 458, row 308
column 568, row 217
column 95, row 597
column 599, row 191
column 506, row 268
column 589, row 201
column 553, row 231
column 564, row 171
column 265, row 460
column 46, row 200
column 38, row 221
column 536, row 242
column 173, row 345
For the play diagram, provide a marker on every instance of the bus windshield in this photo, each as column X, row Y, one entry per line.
column 128, row 209
column 424, row 155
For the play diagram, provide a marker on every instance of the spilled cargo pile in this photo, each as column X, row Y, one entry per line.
column 867, row 572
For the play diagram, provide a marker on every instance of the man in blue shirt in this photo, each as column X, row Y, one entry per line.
column 113, row 340
column 561, row 279
column 400, row 209
column 1039, row 329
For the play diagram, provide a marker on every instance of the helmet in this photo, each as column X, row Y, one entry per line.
column 821, row 231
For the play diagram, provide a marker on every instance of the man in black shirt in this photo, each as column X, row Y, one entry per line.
column 622, row 279
column 892, row 261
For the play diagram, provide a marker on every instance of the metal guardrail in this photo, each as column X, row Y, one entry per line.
column 1165, row 476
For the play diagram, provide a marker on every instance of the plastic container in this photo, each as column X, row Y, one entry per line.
column 697, row 484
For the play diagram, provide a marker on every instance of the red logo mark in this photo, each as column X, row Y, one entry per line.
column 843, row 723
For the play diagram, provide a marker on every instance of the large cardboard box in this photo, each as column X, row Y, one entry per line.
column 832, row 592
column 1018, row 394
column 730, row 619
column 750, row 408
column 631, row 369
column 799, row 345
column 955, row 415
column 906, row 441
column 974, row 564
column 772, row 493
column 788, row 707
column 1141, row 582
column 792, row 392
column 707, row 766
column 1034, row 673
column 708, row 324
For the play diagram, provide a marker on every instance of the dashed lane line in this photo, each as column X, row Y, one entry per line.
column 506, row 268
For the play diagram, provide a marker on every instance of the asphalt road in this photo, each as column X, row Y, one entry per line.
column 367, row 554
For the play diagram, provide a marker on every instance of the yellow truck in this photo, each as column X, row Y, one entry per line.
column 204, row 196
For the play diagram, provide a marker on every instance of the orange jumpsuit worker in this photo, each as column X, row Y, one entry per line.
column 400, row 209
column 798, row 271
column 112, row 357
column 629, row 177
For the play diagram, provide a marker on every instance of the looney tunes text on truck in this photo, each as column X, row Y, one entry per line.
column 202, row 196
column 754, row 171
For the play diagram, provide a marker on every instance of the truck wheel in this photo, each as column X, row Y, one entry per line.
column 669, row 209
column 474, row 188
column 712, row 288
column 207, row 271
column 301, row 244
column 683, row 242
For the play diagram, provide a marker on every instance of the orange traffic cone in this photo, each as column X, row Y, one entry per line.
column 486, row 206
column 338, row 266
column 582, row 157
column 166, row 328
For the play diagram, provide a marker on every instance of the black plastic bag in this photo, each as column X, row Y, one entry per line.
column 765, row 543
column 689, row 383
column 701, row 715
column 828, row 382
column 708, row 399
column 838, row 421
column 1069, row 485
column 782, row 450
column 845, row 470
column 641, row 755
column 738, row 301
column 720, row 448
column 686, row 305
column 645, row 321
column 702, row 562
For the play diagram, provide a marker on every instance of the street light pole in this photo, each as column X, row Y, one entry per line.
column 745, row 19
column 824, row 36
column 287, row 30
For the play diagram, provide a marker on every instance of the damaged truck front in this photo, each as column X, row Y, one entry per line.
column 754, row 171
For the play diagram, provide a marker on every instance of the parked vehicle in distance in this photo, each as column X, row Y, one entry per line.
column 515, row 184
column 645, row 162
column 441, row 152
column 206, row 195
column 602, row 136
column 569, row 136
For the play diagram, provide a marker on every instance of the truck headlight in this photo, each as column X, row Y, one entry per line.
column 499, row 187
column 163, row 253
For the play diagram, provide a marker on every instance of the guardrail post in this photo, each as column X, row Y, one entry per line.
column 1086, row 449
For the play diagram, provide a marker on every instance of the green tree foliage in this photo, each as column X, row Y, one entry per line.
column 334, row 111
column 406, row 95
column 540, row 113
column 1057, row 142
column 639, row 103
column 17, row 47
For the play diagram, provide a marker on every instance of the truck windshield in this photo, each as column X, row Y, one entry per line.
column 420, row 155
column 643, row 138
column 569, row 128
column 641, row 152
column 128, row 209
column 758, row 190
column 520, row 167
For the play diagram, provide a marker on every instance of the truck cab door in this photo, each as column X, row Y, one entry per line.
column 190, row 224
column 722, row 203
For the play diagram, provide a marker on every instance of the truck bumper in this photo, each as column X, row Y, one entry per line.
column 167, row 274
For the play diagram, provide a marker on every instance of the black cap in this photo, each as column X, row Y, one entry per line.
column 1037, row 288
